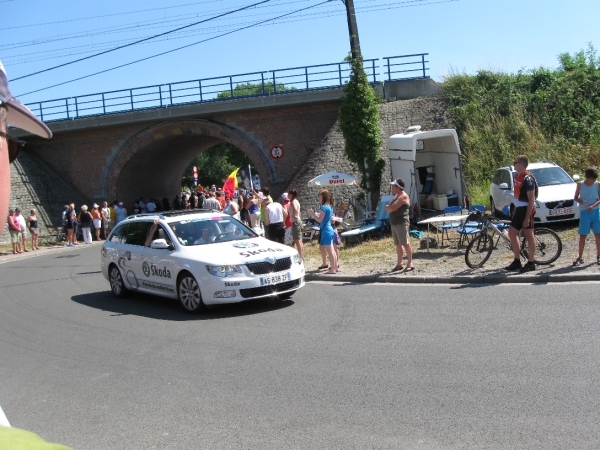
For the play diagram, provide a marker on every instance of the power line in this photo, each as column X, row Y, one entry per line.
column 137, row 42
column 121, row 28
column 175, row 49
column 67, row 51
column 105, row 15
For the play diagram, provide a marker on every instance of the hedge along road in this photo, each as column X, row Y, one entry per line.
column 343, row 365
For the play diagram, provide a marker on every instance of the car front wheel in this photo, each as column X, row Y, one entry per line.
column 117, row 286
column 188, row 292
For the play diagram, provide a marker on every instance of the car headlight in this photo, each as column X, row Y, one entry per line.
column 224, row 271
column 297, row 259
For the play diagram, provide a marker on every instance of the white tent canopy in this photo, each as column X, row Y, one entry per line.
column 333, row 179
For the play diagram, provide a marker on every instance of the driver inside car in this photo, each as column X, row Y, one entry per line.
column 207, row 236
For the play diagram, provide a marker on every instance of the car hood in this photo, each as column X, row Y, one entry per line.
column 239, row 252
column 557, row 192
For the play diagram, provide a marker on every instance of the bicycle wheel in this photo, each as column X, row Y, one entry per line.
column 479, row 251
column 548, row 246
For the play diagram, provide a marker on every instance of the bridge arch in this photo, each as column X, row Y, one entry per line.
column 152, row 162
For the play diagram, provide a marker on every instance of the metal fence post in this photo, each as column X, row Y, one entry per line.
column 160, row 94
column 374, row 74
column 170, row 95
column 231, row 86
column 103, row 104
column 340, row 73
column 423, row 62
column 67, row 107
column 306, row 76
column 76, row 108
column 131, row 98
column 262, row 78
column 41, row 112
column 200, row 88
column 274, row 84
column 388, row 69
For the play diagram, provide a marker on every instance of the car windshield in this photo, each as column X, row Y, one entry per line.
column 549, row 176
column 210, row 230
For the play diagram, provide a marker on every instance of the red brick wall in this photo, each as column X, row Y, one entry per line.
column 128, row 161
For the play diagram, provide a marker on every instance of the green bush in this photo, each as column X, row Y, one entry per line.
column 545, row 114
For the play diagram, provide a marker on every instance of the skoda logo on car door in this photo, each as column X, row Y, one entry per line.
column 146, row 268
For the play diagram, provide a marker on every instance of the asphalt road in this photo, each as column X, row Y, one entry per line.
column 341, row 366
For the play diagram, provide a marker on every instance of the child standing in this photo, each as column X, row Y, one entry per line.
column 587, row 195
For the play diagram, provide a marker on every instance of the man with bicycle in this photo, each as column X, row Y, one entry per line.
column 525, row 194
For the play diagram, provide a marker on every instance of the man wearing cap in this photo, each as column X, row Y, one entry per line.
column 12, row 112
column 96, row 220
column 120, row 212
column 398, row 209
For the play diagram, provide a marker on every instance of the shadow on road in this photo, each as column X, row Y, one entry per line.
column 167, row 309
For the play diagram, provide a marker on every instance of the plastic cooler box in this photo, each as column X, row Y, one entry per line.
column 440, row 202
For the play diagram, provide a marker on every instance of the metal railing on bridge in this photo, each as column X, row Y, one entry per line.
column 256, row 84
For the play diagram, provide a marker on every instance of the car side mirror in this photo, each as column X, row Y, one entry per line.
column 161, row 244
column 503, row 186
column 576, row 177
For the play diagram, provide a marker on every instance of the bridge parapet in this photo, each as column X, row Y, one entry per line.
column 230, row 87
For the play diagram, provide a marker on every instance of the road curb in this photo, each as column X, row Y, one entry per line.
column 461, row 279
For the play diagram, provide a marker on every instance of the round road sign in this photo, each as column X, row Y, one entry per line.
column 276, row 152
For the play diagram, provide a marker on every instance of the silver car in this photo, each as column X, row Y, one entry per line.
column 556, row 192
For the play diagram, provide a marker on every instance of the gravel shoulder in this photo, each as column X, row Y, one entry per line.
column 377, row 257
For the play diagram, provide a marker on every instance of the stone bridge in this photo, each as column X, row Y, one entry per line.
column 128, row 155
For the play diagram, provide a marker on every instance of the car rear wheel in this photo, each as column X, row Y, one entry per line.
column 189, row 295
column 117, row 286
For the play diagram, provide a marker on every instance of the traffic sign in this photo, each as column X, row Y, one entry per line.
column 276, row 151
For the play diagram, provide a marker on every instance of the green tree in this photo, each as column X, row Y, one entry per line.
column 245, row 89
column 359, row 123
column 215, row 164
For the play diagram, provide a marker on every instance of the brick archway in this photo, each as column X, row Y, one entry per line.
column 151, row 162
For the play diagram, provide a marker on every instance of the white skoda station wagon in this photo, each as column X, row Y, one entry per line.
column 199, row 257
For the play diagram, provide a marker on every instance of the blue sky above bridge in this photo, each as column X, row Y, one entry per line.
column 463, row 35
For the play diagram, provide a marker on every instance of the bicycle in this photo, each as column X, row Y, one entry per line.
column 548, row 245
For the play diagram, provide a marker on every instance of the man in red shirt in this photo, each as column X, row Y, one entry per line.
column 525, row 192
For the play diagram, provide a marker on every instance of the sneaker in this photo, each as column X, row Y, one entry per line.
column 515, row 265
column 527, row 267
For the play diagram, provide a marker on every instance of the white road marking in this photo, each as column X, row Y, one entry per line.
column 3, row 419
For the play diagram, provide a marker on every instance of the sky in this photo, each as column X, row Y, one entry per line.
column 459, row 36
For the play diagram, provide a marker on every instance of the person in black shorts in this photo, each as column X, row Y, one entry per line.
column 525, row 191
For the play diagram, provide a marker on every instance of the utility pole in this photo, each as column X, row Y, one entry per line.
column 352, row 29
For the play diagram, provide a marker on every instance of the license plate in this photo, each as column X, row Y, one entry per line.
column 561, row 211
column 275, row 279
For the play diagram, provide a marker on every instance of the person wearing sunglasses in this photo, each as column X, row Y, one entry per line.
column 525, row 192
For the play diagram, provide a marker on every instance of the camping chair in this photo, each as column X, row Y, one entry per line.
column 428, row 186
column 470, row 228
column 379, row 224
column 448, row 226
column 310, row 228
